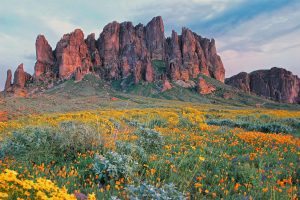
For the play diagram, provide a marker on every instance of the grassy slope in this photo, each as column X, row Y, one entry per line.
column 93, row 93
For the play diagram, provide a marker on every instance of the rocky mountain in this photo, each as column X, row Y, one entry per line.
column 277, row 84
column 122, row 51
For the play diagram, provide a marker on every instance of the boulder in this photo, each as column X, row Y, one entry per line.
column 166, row 85
column 186, row 84
column 79, row 74
column 204, row 88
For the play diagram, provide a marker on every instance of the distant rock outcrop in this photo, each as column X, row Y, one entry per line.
column 125, row 51
column 241, row 81
column 21, row 77
column 18, row 87
column 277, row 84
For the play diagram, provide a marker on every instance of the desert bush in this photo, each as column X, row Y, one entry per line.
column 151, row 141
column 149, row 124
column 78, row 137
column 291, row 122
column 133, row 150
column 156, row 122
column 40, row 144
column 185, row 123
column 114, row 165
column 271, row 127
column 223, row 122
column 147, row 191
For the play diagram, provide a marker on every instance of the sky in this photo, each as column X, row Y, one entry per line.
column 249, row 34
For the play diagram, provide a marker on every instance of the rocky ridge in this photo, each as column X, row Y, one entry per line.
column 277, row 84
column 122, row 51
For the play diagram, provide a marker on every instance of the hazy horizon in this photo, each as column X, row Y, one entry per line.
column 249, row 35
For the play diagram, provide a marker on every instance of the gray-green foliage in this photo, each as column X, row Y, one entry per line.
column 129, row 157
column 114, row 165
column 151, row 141
column 147, row 191
column 44, row 144
column 132, row 149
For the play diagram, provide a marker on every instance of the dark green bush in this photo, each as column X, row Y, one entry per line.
column 271, row 127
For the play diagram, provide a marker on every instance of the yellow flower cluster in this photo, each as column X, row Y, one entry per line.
column 43, row 189
column 12, row 186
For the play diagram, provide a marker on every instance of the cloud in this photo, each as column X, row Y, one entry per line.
column 58, row 26
column 267, row 40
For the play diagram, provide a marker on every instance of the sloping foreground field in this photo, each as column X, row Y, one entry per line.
column 152, row 153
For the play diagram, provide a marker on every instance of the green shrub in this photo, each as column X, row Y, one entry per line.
column 45, row 144
column 114, row 165
column 291, row 122
column 156, row 122
column 271, row 127
column 133, row 150
column 223, row 122
column 185, row 123
column 151, row 141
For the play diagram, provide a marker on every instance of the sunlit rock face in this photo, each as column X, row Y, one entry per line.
column 124, row 51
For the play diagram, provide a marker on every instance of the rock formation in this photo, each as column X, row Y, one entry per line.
column 277, row 84
column 8, row 83
column 18, row 87
column 125, row 51
column 189, row 55
column 241, row 81
column 44, row 58
column 203, row 87
column 155, row 38
column 93, row 50
column 72, row 52
column 20, row 77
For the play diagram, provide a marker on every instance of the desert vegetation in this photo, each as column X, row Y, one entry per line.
column 182, row 152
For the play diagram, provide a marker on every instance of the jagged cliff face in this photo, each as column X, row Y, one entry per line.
column 126, row 51
column 189, row 55
column 276, row 83
column 45, row 60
